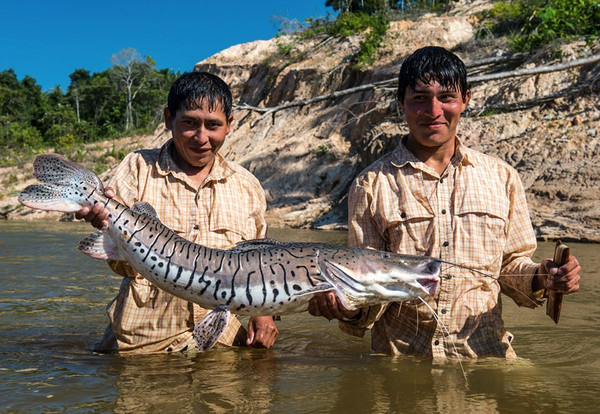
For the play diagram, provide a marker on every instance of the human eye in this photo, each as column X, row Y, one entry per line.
column 188, row 123
column 448, row 96
column 214, row 124
column 417, row 97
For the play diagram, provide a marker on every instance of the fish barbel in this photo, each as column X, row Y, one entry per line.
column 257, row 277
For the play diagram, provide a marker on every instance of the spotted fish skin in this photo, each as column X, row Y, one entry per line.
column 260, row 277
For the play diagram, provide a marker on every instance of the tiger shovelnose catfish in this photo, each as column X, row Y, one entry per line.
column 258, row 277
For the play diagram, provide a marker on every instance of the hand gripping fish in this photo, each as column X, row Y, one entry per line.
column 258, row 277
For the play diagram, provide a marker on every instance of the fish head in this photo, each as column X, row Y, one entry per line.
column 369, row 277
column 402, row 277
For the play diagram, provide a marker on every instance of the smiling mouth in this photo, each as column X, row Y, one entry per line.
column 199, row 150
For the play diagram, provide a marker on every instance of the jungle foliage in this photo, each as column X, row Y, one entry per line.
column 126, row 99
column 530, row 24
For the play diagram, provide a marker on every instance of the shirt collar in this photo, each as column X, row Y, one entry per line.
column 403, row 156
column 220, row 170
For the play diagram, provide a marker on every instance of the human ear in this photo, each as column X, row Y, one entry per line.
column 168, row 118
column 467, row 98
column 229, row 121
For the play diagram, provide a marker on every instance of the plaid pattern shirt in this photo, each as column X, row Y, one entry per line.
column 227, row 208
column 474, row 215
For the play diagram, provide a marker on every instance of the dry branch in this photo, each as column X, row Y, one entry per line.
column 472, row 80
column 530, row 103
column 536, row 71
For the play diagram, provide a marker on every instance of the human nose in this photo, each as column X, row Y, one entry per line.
column 433, row 107
column 201, row 134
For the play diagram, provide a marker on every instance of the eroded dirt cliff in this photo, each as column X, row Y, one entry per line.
column 306, row 156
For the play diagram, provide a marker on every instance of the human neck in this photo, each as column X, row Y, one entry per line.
column 196, row 174
column 437, row 157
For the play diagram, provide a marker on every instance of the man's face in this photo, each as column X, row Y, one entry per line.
column 432, row 113
column 197, row 134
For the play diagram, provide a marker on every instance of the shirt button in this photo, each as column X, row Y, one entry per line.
column 196, row 227
column 436, row 342
column 441, row 181
column 403, row 215
column 445, row 244
column 444, row 311
column 443, row 211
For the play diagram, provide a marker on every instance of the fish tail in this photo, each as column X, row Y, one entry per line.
column 67, row 187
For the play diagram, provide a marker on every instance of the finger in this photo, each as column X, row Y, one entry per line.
column 313, row 307
column 101, row 219
column 334, row 307
column 549, row 267
column 82, row 213
column 259, row 339
column 109, row 192
column 331, row 307
column 569, row 267
column 323, row 304
column 572, row 285
column 250, row 338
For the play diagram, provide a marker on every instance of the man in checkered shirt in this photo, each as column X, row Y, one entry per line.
column 434, row 196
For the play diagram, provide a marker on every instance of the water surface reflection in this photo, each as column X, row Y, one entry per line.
column 52, row 310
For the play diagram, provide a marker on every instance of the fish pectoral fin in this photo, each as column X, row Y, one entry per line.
column 348, row 289
column 210, row 328
column 99, row 245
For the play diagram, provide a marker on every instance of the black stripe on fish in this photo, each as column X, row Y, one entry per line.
column 171, row 257
column 248, row 295
column 187, row 255
column 137, row 231
column 285, row 285
column 153, row 243
column 193, row 273
column 178, row 274
column 217, row 283
column 162, row 251
column 233, row 278
column 307, row 275
column 218, row 269
column 205, row 281
column 119, row 217
column 262, row 277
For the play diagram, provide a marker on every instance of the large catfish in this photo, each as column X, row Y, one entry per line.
column 258, row 277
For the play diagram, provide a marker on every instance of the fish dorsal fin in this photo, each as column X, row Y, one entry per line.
column 142, row 207
column 265, row 243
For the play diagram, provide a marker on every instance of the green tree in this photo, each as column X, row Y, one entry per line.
column 365, row 6
column 133, row 73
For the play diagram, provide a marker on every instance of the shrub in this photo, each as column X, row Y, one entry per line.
column 530, row 24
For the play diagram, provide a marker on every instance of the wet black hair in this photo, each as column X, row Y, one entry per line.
column 192, row 90
column 430, row 64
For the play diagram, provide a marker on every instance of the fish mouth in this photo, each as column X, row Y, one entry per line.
column 429, row 284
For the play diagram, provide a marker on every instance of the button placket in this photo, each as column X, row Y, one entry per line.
column 444, row 221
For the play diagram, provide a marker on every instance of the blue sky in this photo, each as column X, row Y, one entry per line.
column 48, row 39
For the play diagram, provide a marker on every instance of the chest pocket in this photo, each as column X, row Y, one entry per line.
column 481, row 226
column 231, row 221
column 407, row 226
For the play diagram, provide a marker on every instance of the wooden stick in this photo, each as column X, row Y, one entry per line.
column 554, row 304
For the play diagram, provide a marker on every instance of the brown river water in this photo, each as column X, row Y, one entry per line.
column 52, row 304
